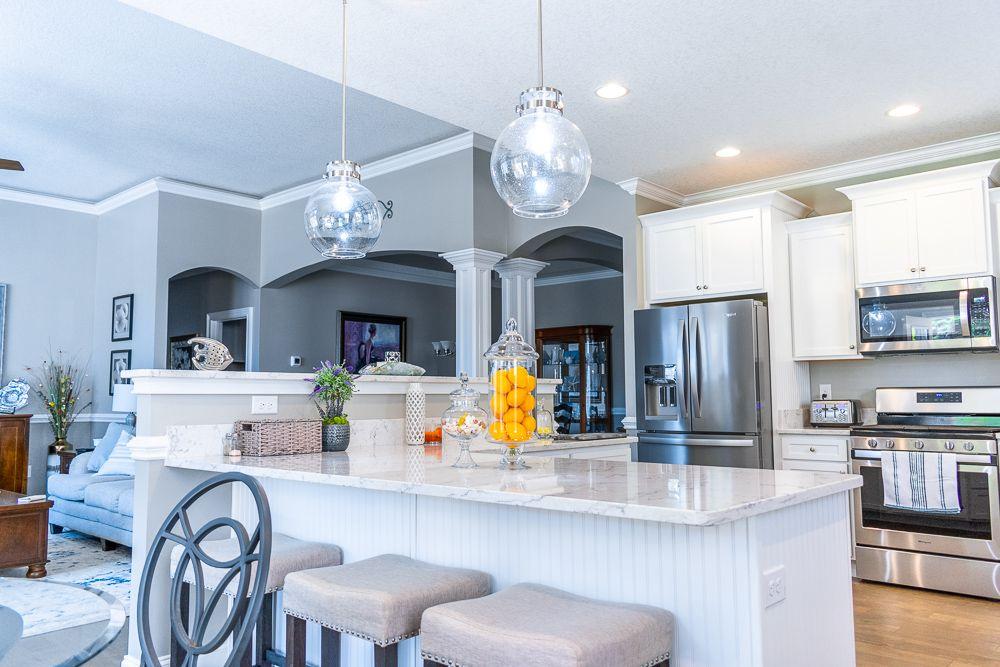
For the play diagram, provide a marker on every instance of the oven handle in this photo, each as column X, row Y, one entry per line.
column 975, row 459
column 963, row 309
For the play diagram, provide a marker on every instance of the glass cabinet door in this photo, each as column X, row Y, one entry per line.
column 580, row 357
column 597, row 398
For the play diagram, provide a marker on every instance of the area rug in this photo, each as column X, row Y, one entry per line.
column 77, row 559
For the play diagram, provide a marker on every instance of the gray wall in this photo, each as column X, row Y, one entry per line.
column 192, row 298
column 301, row 318
column 47, row 261
column 589, row 302
column 858, row 379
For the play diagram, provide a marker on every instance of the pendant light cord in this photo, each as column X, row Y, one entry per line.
column 541, row 69
column 343, row 85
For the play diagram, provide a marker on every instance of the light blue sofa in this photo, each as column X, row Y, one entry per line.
column 98, row 505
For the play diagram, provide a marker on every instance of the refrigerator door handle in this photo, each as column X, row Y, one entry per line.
column 696, row 371
column 682, row 354
column 658, row 439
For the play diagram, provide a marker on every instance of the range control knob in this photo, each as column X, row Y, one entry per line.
column 949, row 445
column 969, row 446
column 890, row 444
column 873, row 443
column 919, row 444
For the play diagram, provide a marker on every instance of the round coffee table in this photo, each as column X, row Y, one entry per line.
column 66, row 623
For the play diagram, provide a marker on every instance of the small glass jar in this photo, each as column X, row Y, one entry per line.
column 545, row 427
column 464, row 420
column 512, row 363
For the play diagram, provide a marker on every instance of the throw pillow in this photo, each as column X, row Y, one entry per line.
column 107, row 443
column 120, row 460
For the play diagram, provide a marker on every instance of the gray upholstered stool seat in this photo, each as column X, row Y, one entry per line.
column 379, row 599
column 287, row 555
column 529, row 624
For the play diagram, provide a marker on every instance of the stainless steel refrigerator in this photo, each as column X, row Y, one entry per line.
column 703, row 384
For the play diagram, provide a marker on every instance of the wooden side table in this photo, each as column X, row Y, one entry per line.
column 66, row 457
column 24, row 539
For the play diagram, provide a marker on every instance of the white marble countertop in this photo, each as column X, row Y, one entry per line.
column 693, row 495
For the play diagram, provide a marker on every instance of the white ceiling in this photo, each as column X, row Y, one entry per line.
column 797, row 85
column 98, row 96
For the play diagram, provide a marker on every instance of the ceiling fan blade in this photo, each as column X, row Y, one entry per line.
column 13, row 165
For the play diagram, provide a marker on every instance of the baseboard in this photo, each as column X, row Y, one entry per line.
column 87, row 417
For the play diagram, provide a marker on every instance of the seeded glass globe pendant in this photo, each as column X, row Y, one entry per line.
column 541, row 162
column 342, row 216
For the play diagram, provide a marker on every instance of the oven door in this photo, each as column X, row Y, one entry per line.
column 973, row 533
column 927, row 317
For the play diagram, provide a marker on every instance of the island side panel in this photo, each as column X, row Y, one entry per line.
column 814, row 624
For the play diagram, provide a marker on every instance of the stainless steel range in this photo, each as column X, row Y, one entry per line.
column 958, row 552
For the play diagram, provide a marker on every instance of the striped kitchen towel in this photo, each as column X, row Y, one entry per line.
column 920, row 482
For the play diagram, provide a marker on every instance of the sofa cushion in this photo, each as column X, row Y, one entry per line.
column 89, row 513
column 106, row 496
column 120, row 460
column 72, row 487
column 108, row 442
column 125, row 500
column 79, row 463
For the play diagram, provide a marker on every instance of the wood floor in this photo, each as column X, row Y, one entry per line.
column 906, row 627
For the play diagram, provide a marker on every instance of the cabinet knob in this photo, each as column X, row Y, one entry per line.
column 812, row 449
column 913, row 269
column 704, row 286
column 923, row 268
column 851, row 347
column 698, row 287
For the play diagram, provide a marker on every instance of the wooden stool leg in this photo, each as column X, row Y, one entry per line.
column 295, row 641
column 386, row 656
column 264, row 632
column 176, row 652
column 329, row 647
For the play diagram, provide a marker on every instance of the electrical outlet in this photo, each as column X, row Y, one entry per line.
column 773, row 584
column 295, row 361
column 826, row 391
column 264, row 405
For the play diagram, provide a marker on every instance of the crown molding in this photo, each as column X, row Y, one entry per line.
column 643, row 188
column 601, row 274
column 985, row 170
column 37, row 199
column 195, row 191
column 411, row 274
column 761, row 200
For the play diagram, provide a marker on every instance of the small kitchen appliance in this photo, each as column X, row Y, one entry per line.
column 834, row 413
column 955, row 552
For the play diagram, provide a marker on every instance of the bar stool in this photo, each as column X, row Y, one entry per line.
column 379, row 600
column 529, row 624
column 287, row 555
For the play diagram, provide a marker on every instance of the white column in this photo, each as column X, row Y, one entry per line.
column 473, row 285
column 517, row 289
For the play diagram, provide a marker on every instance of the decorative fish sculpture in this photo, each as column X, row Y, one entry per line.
column 209, row 354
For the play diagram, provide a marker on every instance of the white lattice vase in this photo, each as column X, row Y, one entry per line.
column 416, row 412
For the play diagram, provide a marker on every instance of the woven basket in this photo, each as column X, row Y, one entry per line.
column 276, row 437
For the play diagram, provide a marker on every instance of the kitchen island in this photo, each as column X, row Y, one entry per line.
column 701, row 542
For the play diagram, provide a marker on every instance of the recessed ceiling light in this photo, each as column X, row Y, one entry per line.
column 612, row 91
column 903, row 110
column 728, row 151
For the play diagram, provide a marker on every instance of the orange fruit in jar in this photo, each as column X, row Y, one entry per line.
column 529, row 383
column 501, row 382
column 516, row 432
column 515, row 397
column 520, row 377
column 528, row 423
column 498, row 403
column 528, row 404
column 514, row 415
column 498, row 431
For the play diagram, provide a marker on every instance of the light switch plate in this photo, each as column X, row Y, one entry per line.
column 773, row 584
column 264, row 405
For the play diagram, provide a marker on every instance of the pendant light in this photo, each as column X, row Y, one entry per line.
column 342, row 216
column 541, row 162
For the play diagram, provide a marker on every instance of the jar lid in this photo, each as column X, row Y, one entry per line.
column 465, row 391
column 511, row 345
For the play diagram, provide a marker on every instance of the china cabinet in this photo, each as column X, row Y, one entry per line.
column 580, row 356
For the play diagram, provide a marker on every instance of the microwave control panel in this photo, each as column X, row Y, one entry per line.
column 980, row 323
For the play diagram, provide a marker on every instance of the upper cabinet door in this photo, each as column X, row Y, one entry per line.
column 821, row 277
column 885, row 239
column 672, row 261
column 733, row 253
column 952, row 230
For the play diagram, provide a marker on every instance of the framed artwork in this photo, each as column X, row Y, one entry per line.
column 364, row 339
column 3, row 312
column 121, row 317
column 179, row 354
column 121, row 361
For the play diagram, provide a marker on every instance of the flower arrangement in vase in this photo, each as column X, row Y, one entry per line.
column 59, row 385
column 333, row 386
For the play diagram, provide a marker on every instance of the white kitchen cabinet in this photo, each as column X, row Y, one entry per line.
column 925, row 226
column 712, row 256
column 821, row 276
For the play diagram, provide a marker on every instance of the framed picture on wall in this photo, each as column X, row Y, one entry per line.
column 364, row 338
column 121, row 361
column 179, row 353
column 3, row 312
column 121, row 317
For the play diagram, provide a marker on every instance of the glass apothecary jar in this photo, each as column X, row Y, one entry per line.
column 464, row 420
column 511, row 364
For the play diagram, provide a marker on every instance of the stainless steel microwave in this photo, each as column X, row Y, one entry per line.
column 933, row 316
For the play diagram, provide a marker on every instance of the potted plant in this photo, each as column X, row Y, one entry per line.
column 59, row 385
column 333, row 386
